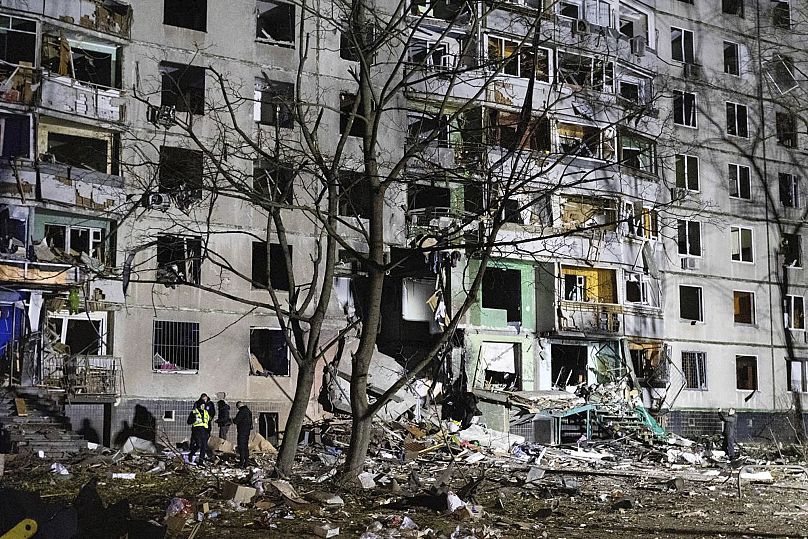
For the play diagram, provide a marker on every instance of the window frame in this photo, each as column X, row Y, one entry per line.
column 788, row 312
column 687, row 241
column 726, row 7
column 803, row 362
column 700, row 370
column 269, row 40
column 755, row 377
column 192, row 100
column 700, row 289
column 680, row 106
column 687, row 56
column 194, row 326
column 519, row 50
column 286, row 345
column 793, row 189
column 740, row 253
column 798, row 239
column 787, row 135
column 738, row 179
column 737, row 65
column 686, row 160
column 192, row 270
column 735, row 126
column 281, row 111
column 753, row 308
column 203, row 16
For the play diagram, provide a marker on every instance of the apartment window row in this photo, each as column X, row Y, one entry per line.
column 691, row 307
column 689, row 243
column 175, row 348
column 694, row 370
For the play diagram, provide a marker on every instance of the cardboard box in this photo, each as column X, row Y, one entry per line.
column 238, row 493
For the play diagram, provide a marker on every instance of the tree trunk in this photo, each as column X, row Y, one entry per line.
column 360, row 433
column 297, row 414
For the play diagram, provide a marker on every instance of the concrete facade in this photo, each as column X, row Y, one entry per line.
column 588, row 283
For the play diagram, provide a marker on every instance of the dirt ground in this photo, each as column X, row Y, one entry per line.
column 582, row 501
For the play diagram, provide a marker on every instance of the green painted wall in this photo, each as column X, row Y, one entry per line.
column 479, row 316
column 474, row 343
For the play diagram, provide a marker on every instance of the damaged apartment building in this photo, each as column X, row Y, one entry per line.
column 665, row 255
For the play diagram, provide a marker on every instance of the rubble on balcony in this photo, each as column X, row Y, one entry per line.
column 18, row 83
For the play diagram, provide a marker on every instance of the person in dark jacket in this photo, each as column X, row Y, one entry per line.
column 244, row 424
column 224, row 420
column 200, row 421
column 730, row 424
column 209, row 407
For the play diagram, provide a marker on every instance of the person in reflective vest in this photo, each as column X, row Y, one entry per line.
column 199, row 433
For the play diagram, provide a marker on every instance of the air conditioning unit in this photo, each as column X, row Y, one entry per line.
column 690, row 263
column 637, row 45
column 156, row 201
column 679, row 194
column 580, row 26
column 165, row 115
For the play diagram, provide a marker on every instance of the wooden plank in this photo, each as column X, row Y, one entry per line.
column 22, row 411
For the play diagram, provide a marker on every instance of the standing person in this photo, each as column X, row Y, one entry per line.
column 244, row 424
column 199, row 432
column 224, row 420
column 730, row 424
column 209, row 407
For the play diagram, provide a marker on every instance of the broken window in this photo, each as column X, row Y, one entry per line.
column 649, row 363
column 274, row 181
column 15, row 135
column 276, row 275
column 354, row 196
column 737, row 120
column 570, row 364
column 684, row 108
column 77, row 151
column 781, row 71
column 746, row 372
column 428, row 196
column 741, row 244
column 781, row 15
column 585, row 141
column 589, row 284
column 179, row 259
column 635, row 88
column 269, row 353
column 74, row 240
column 588, row 212
column 732, row 58
column 501, row 362
column 569, row 9
column 192, row 14
column 441, row 129
column 638, row 289
column 744, row 307
column 786, row 128
column 519, row 60
column 502, row 289
column 354, row 44
column 687, row 172
column 357, row 120
column 17, row 41
column 637, row 152
column 794, row 312
column 689, row 237
column 504, row 132
column 183, row 87
column 789, row 190
column 276, row 22
column 83, row 334
column 94, row 63
column 682, row 45
column 695, row 370
column 180, row 170
column 274, row 103
column 13, row 231
column 585, row 71
column 640, row 221
column 415, row 294
column 792, row 250
column 634, row 25
column 797, row 375
column 690, row 303
column 175, row 346
column 740, row 183
column 732, row 7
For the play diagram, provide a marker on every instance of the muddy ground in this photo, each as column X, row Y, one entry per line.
column 578, row 500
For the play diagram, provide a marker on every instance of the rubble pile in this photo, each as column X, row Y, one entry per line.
column 428, row 478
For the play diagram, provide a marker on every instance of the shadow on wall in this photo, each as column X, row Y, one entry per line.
column 88, row 432
column 143, row 426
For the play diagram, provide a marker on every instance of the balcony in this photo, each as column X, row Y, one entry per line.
column 64, row 94
column 18, row 84
column 444, row 222
column 39, row 273
column 590, row 317
column 82, row 376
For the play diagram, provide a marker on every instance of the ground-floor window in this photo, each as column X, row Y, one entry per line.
column 695, row 370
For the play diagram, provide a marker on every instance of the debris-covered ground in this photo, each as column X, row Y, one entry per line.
column 426, row 480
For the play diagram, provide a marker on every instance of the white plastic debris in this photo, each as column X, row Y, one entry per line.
column 366, row 480
column 453, row 502
column 59, row 469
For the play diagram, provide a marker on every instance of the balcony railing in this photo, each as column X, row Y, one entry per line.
column 446, row 222
column 590, row 317
column 82, row 375
column 65, row 94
